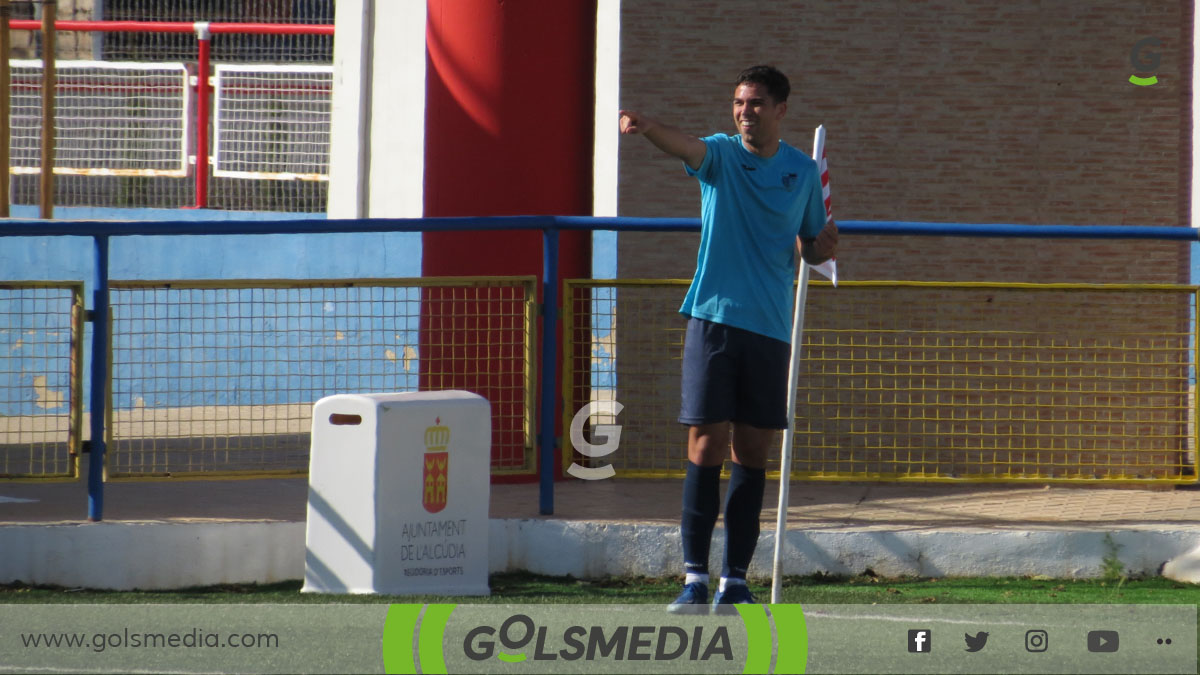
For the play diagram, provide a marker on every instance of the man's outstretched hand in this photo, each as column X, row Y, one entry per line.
column 633, row 122
column 665, row 137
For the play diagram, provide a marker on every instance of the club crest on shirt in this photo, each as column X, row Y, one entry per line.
column 790, row 180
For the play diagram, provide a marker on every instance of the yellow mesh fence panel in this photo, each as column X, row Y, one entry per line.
column 636, row 337
column 41, row 338
column 218, row 378
column 929, row 381
column 998, row 382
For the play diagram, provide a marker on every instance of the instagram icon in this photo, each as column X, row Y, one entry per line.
column 1036, row 641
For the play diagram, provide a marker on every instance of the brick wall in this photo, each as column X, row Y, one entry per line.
column 968, row 112
column 70, row 44
column 971, row 112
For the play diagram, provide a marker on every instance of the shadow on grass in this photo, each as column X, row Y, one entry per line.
column 521, row 588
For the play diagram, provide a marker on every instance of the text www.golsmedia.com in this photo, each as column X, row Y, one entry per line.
column 99, row 642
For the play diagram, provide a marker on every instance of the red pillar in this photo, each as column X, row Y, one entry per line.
column 508, row 131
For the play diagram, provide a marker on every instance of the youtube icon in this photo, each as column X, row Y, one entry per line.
column 1103, row 641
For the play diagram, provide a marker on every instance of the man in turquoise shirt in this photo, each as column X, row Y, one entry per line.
column 761, row 201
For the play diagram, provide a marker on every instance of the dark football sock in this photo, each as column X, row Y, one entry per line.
column 701, row 506
column 743, row 506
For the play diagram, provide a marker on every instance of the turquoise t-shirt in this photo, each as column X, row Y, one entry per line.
column 751, row 210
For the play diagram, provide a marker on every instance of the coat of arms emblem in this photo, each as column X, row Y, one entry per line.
column 436, row 474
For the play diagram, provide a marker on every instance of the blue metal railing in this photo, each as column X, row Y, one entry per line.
column 99, row 381
column 101, row 231
column 86, row 228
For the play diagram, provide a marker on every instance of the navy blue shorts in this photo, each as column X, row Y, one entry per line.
column 731, row 374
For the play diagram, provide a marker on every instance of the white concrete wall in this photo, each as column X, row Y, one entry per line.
column 608, row 102
column 173, row 555
column 377, row 154
column 151, row 555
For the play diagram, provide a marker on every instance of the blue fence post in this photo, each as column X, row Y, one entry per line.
column 548, row 409
column 99, row 390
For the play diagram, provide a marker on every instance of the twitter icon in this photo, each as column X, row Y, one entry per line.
column 975, row 642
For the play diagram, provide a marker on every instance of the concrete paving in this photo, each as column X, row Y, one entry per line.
column 812, row 505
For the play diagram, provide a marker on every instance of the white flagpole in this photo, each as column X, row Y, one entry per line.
column 785, row 459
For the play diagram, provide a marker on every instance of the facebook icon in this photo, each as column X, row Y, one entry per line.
column 920, row 641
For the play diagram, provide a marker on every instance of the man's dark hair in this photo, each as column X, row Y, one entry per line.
column 776, row 82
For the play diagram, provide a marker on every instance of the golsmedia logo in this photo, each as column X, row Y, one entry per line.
column 519, row 633
column 439, row 638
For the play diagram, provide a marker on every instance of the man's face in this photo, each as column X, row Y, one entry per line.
column 756, row 114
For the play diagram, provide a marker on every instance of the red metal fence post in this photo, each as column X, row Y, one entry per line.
column 204, row 53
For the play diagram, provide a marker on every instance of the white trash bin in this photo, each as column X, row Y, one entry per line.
column 398, row 488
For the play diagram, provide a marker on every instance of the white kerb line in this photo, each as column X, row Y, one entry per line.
column 785, row 459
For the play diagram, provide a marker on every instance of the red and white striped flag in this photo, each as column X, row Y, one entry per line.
column 829, row 267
